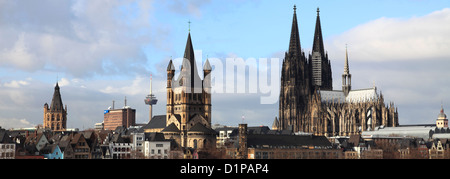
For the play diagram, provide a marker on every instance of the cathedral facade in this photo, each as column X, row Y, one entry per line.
column 188, row 117
column 308, row 102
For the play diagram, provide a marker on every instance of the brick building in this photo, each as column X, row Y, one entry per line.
column 114, row 118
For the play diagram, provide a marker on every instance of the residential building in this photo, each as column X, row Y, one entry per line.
column 80, row 147
column 224, row 136
column 156, row 146
column 7, row 146
column 52, row 151
column 120, row 147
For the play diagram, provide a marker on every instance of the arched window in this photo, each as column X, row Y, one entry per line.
column 195, row 143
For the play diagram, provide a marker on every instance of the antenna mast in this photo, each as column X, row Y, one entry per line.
column 150, row 99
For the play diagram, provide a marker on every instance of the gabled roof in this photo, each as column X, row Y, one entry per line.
column 156, row 122
column 171, row 128
column 360, row 95
column 154, row 136
column 258, row 140
column 201, row 128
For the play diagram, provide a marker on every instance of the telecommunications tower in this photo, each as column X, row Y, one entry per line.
column 150, row 99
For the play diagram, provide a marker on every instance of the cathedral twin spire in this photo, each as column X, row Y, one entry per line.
column 294, row 45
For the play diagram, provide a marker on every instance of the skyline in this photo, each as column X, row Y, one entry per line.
column 103, row 51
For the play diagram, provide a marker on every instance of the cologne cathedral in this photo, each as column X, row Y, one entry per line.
column 308, row 102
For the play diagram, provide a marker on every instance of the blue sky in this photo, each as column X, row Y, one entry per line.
column 104, row 50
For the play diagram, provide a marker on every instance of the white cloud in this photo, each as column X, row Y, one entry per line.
column 19, row 55
column 387, row 39
column 16, row 84
column 63, row 82
column 77, row 37
column 8, row 123
column 137, row 86
column 406, row 58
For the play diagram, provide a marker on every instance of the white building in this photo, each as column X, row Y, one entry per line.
column 224, row 135
column 157, row 149
column 7, row 151
column 155, row 146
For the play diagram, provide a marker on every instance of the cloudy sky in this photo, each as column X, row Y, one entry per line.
column 104, row 50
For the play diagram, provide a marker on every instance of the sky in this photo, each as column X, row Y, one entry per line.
column 104, row 50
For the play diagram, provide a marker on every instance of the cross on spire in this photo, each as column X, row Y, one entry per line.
column 189, row 25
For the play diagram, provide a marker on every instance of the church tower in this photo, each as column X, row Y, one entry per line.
column 442, row 121
column 55, row 116
column 321, row 77
column 295, row 84
column 188, row 116
column 346, row 77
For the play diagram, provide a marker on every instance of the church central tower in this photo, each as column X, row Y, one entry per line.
column 188, row 116
column 55, row 116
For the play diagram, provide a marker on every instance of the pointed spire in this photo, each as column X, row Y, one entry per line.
column 207, row 66
column 294, row 45
column 189, row 55
column 170, row 67
column 346, row 68
column 56, row 104
column 189, row 67
column 318, row 39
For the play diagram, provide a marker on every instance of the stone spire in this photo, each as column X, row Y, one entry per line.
column 346, row 68
column 346, row 77
column 56, row 104
column 294, row 45
column 318, row 39
column 190, row 72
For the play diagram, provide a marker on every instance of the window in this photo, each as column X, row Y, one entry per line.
column 159, row 145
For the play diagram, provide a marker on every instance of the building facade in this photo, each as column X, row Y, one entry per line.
column 308, row 102
column 55, row 116
column 114, row 118
column 188, row 117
